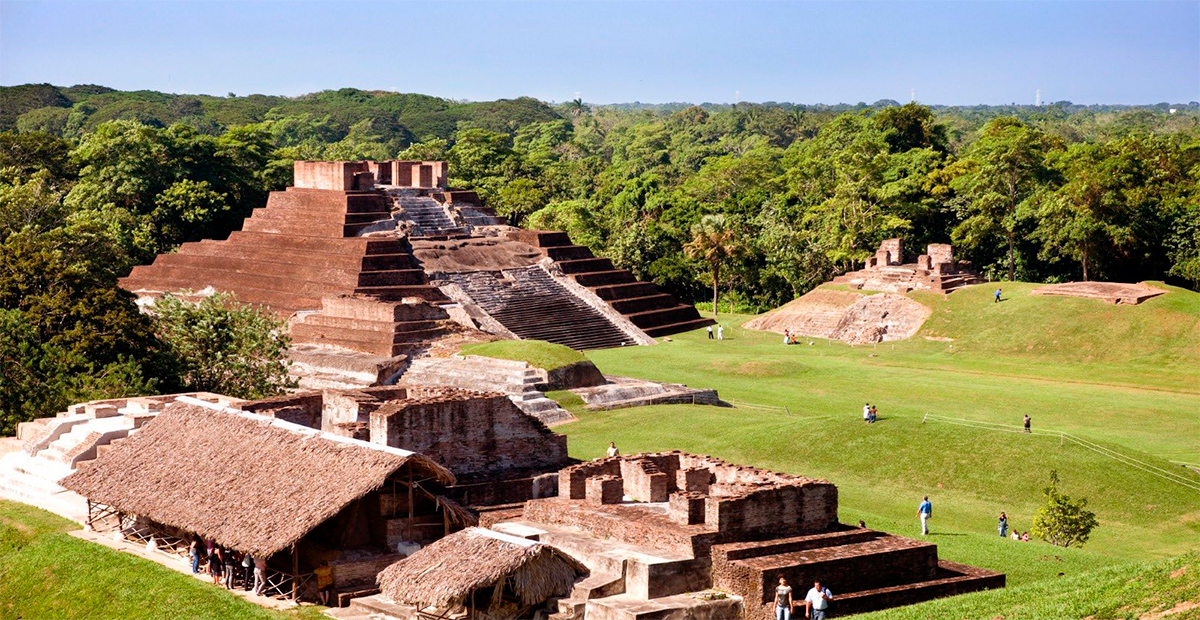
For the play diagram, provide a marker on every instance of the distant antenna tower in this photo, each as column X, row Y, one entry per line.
column 912, row 95
column 1038, row 97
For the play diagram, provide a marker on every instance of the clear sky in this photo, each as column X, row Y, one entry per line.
column 961, row 52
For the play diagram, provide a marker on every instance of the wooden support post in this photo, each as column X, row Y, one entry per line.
column 445, row 521
column 295, row 570
column 410, row 501
column 89, row 517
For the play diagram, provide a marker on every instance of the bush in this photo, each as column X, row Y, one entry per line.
column 219, row 345
column 1061, row 521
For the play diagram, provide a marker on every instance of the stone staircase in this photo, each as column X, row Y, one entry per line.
column 51, row 448
column 627, row 582
column 532, row 305
column 320, row 367
column 298, row 249
column 655, row 312
column 369, row 325
column 866, row 569
column 430, row 218
column 518, row 380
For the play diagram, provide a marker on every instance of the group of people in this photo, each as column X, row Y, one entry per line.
column 816, row 602
column 228, row 566
column 1002, row 528
column 869, row 413
column 720, row 332
column 790, row 338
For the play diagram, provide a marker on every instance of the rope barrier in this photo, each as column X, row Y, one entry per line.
column 1064, row 437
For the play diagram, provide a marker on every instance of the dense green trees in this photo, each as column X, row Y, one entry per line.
column 98, row 180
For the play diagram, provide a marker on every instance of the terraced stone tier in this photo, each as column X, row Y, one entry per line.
column 298, row 249
column 655, row 312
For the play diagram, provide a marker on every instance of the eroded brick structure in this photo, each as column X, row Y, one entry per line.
column 654, row 527
column 936, row 270
column 497, row 452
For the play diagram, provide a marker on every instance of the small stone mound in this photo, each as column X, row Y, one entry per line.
column 816, row 313
column 881, row 318
column 1112, row 292
column 850, row 317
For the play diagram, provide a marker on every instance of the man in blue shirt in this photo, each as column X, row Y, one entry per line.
column 925, row 511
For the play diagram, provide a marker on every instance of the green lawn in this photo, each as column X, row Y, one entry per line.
column 46, row 575
column 539, row 354
column 1127, row 377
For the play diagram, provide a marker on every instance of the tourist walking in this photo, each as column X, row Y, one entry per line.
column 720, row 332
column 1028, row 421
column 925, row 513
column 783, row 600
column 710, row 332
column 260, row 575
column 194, row 554
column 867, row 413
column 1002, row 525
column 816, row 602
column 613, row 450
column 997, row 300
column 873, row 416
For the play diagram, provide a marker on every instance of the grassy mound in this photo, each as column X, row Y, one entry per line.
column 44, row 573
column 538, row 353
column 799, row 410
column 1165, row 589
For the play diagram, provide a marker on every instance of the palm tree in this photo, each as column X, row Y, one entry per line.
column 577, row 107
column 714, row 241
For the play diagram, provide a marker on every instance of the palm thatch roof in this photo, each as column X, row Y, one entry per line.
column 447, row 571
column 250, row 482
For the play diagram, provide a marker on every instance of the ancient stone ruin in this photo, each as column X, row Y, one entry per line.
column 1115, row 293
column 848, row 316
column 380, row 232
column 657, row 530
column 936, row 270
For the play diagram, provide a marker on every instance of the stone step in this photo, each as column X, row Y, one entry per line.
column 676, row 328
column 665, row 316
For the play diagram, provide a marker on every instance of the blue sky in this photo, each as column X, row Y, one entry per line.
column 807, row 52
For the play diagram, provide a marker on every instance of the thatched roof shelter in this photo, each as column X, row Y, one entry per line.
column 450, row 569
column 250, row 482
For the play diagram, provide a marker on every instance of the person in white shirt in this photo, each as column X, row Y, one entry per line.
column 867, row 412
column 612, row 449
column 816, row 602
column 720, row 332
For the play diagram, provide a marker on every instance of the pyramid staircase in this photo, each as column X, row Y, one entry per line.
column 532, row 305
column 299, row 248
column 644, row 304
column 429, row 217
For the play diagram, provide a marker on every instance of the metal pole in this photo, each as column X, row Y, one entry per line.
column 410, row 501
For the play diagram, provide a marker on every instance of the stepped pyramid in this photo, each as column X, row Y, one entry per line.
column 298, row 249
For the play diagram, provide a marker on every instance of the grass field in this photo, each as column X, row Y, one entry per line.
column 539, row 354
column 48, row 575
column 1125, row 376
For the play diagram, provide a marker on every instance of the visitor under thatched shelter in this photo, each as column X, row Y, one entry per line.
column 479, row 573
column 296, row 496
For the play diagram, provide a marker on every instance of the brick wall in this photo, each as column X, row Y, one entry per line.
column 477, row 437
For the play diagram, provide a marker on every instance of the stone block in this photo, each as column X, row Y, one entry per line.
column 693, row 480
column 940, row 253
column 439, row 173
column 644, row 481
column 364, row 181
column 882, row 258
column 327, row 175
column 604, row 490
column 894, row 249
column 686, row 508
column 422, row 175
column 402, row 173
column 923, row 262
column 382, row 171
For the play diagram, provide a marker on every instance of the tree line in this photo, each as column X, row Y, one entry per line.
column 768, row 200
